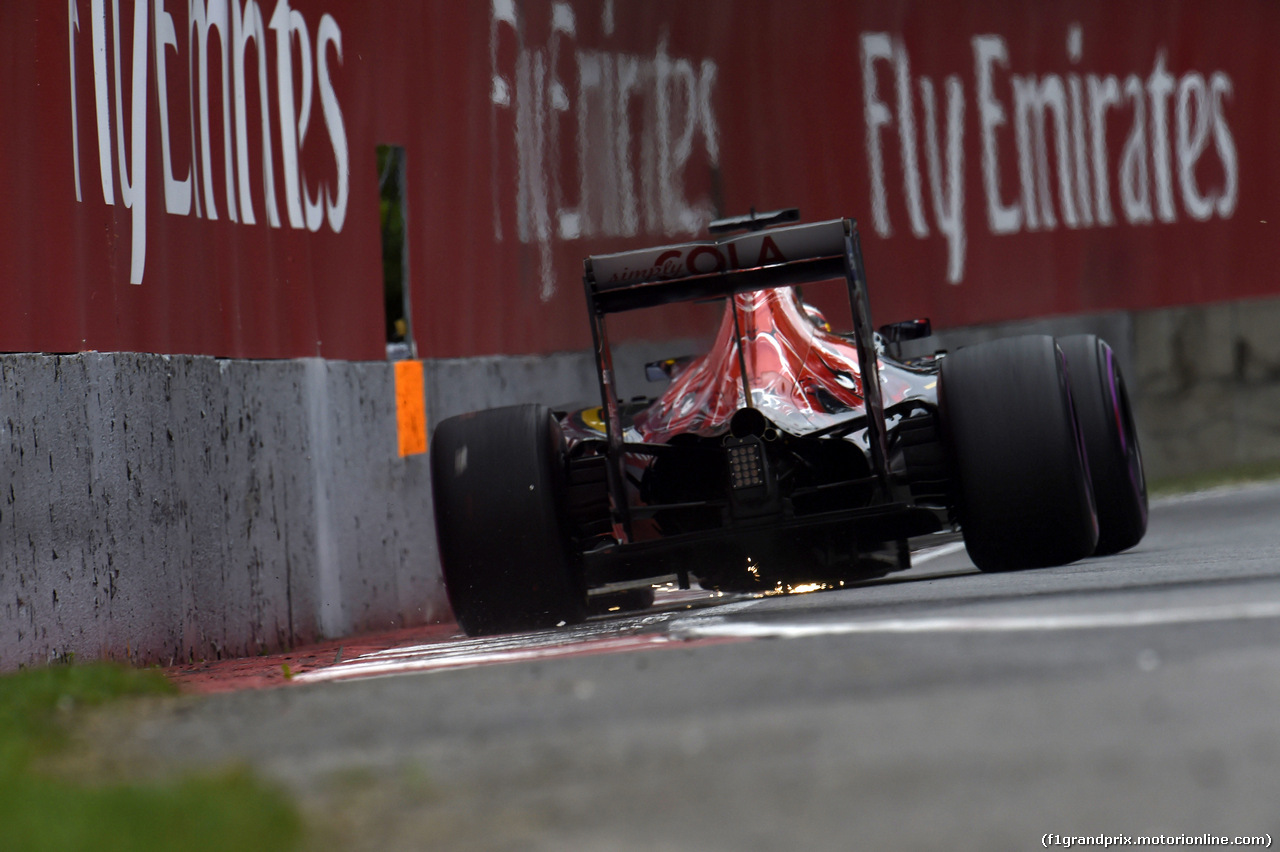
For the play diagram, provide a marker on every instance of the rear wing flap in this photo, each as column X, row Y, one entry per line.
column 758, row 260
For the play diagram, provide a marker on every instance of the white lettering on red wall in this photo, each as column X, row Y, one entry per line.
column 1178, row 157
column 602, row 139
column 182, row 65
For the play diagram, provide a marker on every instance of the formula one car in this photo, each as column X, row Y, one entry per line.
column 786, row 457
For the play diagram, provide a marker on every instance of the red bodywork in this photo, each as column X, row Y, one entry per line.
column 802, row 377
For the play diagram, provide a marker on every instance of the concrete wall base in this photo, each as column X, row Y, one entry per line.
column 159, row 508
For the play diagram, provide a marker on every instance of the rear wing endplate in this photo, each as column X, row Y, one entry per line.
column 758, row 260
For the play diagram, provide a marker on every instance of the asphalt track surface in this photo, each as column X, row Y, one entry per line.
column 936, row 709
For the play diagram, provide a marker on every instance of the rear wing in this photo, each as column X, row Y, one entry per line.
column 758, row 260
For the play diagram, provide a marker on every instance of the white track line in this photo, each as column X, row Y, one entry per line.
column 934, row 552
column 435, row 658
column 977, row 624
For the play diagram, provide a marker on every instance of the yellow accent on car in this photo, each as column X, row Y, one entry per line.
column 592, row 420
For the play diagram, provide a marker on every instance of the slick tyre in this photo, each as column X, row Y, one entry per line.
column 498, row 482
column 1110, row 441
column 1021, row 487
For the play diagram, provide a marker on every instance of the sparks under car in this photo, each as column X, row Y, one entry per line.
column 785, row 456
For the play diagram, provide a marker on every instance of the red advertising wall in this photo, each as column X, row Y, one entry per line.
column 200, row 177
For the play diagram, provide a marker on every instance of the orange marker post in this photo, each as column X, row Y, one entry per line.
column 411, row 408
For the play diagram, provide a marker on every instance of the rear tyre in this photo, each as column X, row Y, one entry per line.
column 1110, row 441
column 1022, row 490
column 498, row 479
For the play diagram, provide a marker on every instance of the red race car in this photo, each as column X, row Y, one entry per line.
column 786, row 456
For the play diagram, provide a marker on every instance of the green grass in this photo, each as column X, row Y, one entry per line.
column 1235, row 475
column 41, row 810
